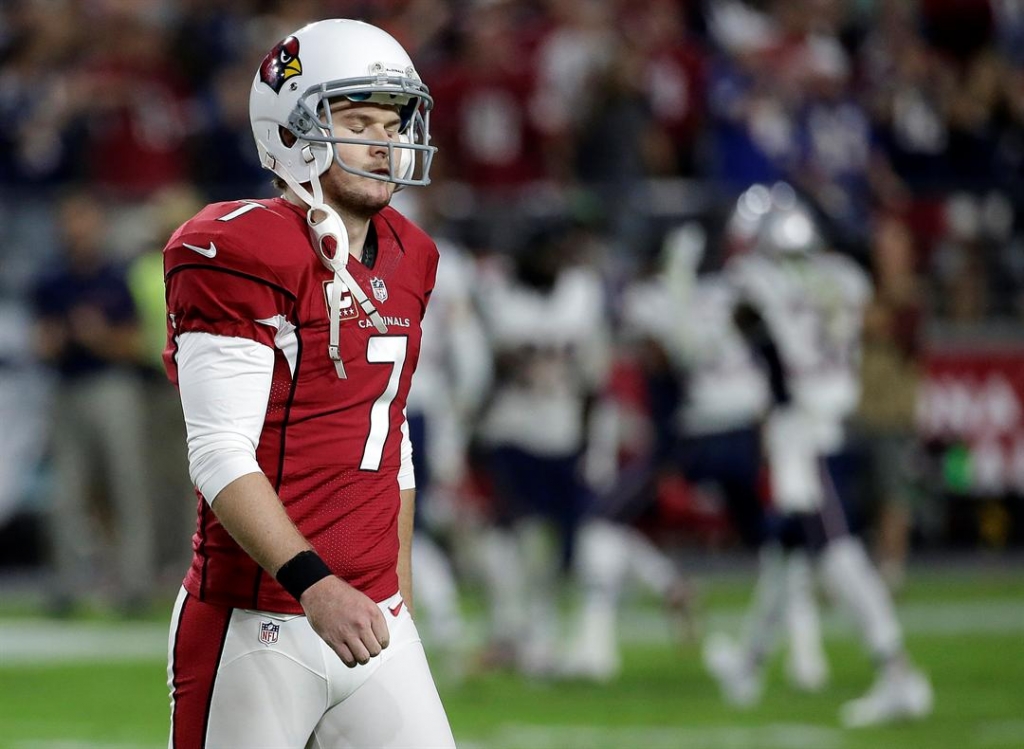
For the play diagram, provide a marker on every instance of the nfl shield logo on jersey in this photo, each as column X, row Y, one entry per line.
column 380, row 291
column 268, row 632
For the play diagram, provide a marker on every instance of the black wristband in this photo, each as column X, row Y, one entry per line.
column 301, row 571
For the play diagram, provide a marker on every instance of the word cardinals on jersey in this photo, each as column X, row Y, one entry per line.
column 337, row 440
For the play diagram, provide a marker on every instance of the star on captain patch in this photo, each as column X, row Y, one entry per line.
column 380, row 291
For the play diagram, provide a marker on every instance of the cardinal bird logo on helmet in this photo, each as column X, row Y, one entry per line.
column 281, row 64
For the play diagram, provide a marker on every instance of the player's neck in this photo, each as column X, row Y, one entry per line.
column 357, row 231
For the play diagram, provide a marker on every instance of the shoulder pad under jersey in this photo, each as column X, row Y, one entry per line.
column 265, row 239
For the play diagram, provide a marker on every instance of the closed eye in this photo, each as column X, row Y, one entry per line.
column 391, row 130
column 358, row 120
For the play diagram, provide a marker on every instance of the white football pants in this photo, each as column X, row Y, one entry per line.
column 272, row 682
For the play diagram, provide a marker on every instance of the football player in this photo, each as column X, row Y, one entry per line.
column 452, row 379
column 708, row 397
column 548, row 327
column 294, row 330
column 800, row 309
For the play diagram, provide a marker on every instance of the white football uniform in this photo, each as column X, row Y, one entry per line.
column 814, row 308
column 553, row 351
column 561, row 343
column 455, row 367
column 308, row 696
column 452, row 378
column 726, row 389
column 812, row 304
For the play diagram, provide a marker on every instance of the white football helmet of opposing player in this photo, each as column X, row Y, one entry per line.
column 774, row 220
column 327, row 60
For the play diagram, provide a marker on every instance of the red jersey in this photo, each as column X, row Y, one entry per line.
column 330, row 447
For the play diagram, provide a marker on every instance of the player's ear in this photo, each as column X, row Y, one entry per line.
column 287, row 136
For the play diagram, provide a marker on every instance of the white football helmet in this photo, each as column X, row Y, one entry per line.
column 292, row 90
column 327, row 60
column 775, row 221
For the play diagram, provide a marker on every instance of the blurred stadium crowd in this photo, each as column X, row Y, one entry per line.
column 588, row 127
column 909, row 110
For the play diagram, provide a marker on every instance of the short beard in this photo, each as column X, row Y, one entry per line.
column 349, row 199
column 363, row 206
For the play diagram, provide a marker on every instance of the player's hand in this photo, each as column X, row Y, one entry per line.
column 346, row 619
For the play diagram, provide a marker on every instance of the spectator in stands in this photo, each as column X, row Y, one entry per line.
column 220, row 147
column 136, row 110
column 571, row 54
column 40, row 141
column 674, row 80
column 750, row 128
column 487, row 128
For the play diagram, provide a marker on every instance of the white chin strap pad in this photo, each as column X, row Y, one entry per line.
column 330, row 240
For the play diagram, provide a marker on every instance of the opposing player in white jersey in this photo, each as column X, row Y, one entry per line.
column 453, row 377
column 547, row 321
column 800, row 308
column 714, row 435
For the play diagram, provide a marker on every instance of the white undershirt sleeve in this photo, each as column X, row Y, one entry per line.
column 406, row 474
column 225, row 387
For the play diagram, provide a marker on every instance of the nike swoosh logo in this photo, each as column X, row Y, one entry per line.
column 210, row 251
column 394, row 611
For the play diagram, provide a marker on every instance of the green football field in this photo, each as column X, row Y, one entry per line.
column 62, row 686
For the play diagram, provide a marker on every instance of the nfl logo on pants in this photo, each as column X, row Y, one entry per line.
column 268, row 632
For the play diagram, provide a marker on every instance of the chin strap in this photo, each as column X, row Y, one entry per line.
column 330, row 240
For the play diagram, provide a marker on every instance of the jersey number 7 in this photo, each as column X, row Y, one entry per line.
column 382, row 349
